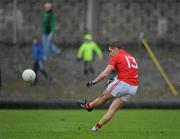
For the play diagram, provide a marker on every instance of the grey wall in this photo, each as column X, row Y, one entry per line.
column 69, row 14
column 125, row 19
column 69, row 81
column 115, row 19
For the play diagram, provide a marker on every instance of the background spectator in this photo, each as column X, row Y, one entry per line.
column 48, row 29
column 38, row 61
column 86, row 52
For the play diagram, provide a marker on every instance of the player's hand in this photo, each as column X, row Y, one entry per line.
column 90, row 84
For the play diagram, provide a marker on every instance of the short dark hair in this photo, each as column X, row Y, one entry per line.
column 116, row 44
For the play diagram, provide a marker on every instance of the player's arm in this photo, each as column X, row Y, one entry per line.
column 102, row 75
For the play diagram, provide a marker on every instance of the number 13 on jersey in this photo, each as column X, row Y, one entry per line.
column 131, row 62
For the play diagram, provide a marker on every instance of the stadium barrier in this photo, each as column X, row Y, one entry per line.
column 72, row 104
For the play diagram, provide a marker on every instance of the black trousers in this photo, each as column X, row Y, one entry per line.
column 38, row 66
column 88, row 68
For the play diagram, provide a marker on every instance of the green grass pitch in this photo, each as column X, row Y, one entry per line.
column 75, row 124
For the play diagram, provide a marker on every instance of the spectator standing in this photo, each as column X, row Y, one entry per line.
column 86, row 53
column 47, row 29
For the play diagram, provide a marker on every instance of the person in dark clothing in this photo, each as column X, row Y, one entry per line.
column 38, row 60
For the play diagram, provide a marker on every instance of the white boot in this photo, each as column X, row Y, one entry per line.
column 94, row 129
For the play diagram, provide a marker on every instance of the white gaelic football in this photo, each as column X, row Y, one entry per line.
column 28, row 75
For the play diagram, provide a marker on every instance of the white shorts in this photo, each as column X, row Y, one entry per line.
column 121, row 89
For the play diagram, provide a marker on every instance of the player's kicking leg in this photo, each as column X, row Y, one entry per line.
column 97, row 102
column 116, row 104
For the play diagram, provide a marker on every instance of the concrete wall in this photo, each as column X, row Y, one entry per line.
column 69, row 81
column 125, row 19
column 115, row 19
column 69, row 14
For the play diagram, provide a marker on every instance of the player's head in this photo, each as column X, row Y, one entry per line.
column 47, row 6
column 115, row 47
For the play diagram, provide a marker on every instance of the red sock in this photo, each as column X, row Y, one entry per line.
column 88, row 106
column 98, row 125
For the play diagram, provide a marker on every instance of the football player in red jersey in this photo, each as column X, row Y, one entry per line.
column 121, row 89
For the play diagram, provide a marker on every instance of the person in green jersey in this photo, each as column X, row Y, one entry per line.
column 47, row 30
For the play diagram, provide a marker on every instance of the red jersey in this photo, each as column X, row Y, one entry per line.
column 126, row 66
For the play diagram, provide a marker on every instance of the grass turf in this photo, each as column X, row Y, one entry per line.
column 75, row 124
